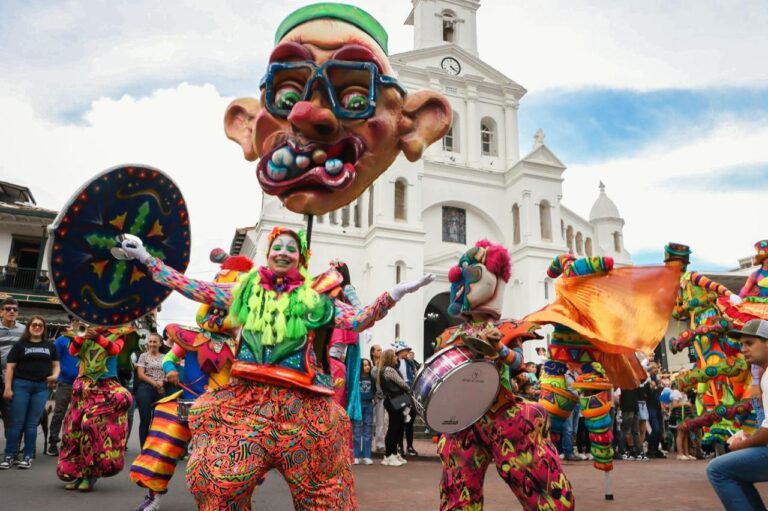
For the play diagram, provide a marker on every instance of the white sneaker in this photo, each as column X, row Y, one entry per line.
column 400, row 458
column 367, row 461
column 356, row 462
column 385, row 460
column 394, row 461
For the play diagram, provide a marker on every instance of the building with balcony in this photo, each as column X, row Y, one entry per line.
column 23, row 265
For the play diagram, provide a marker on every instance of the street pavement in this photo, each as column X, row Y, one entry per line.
column 668, row 485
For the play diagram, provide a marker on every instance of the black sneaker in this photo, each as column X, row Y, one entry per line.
column 412, row 452
column 25, row 463
column 52, row 450
column 6, row 463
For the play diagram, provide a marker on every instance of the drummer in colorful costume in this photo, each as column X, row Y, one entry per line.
column 513, row 434
column 278, row 411
column 207, row 354
column 96, row 424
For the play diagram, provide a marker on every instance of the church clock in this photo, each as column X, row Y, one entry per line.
column 451, row 65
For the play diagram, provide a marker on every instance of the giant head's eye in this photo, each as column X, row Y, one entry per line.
column 287, row 96
column 354, row 99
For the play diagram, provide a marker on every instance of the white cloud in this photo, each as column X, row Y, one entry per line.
column 720, row 226
column 64, row 55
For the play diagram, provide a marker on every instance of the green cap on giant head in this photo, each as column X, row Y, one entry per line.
column 342, row 12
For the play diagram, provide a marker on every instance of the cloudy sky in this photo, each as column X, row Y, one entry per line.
column 666, row 102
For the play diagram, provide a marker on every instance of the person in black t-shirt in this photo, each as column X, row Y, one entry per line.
column 32, row 366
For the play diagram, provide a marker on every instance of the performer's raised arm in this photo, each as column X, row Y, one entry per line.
column 212, row 293
column 348, row 317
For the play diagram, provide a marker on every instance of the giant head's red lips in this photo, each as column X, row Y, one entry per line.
column 291, row 166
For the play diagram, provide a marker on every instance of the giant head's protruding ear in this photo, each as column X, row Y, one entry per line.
column 239, row 123
column 426, row 118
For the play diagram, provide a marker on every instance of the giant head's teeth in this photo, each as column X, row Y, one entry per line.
column 276, row 172
column 319, row 156
column 283, row 157
column 334, row 166
column 302, row 161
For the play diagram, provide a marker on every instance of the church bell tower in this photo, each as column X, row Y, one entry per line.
column 437, row 22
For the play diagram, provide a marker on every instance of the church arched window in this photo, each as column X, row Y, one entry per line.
column 579, row 243
column 451, row 138
column 516, row 224
column 545, row 220
column 370, row 206
column 617, row 241
column 399, row 272
column 488, row 142
column 345, row 216
column 358, row 206
column 449, row 26
column 588, row 247
column 569, row 238
column 401, row 192
column 333, row 217
column 562, row 229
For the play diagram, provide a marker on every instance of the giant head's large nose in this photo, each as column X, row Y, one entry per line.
column 314, row 121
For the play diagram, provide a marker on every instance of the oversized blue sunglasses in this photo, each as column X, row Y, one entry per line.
column 351, row 87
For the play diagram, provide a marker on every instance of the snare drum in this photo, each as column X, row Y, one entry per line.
column 454, row 388
column 182, row 408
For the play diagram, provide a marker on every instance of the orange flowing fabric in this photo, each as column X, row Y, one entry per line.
column 620, row 312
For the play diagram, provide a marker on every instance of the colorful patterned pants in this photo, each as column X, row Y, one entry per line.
column 165, row 445
column 515, row 438
column 95, row 430
column 242, row 430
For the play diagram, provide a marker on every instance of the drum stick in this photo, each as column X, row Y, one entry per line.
column 608, row 490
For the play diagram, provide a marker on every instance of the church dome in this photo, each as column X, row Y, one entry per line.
column 603, row 208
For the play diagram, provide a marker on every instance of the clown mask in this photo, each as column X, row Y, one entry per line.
column 476, row 290
column 284, row 254
column 331, row 117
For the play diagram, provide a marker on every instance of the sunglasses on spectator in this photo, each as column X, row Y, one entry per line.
column 36, row 325
column 11, row 309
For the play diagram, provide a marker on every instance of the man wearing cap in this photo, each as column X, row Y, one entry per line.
column 734, row 474
column 10, row 331
column 331, row 116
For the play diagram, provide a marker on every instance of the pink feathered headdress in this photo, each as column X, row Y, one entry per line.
column 496, row 259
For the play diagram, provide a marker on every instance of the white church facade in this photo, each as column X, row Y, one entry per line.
column 420, row 217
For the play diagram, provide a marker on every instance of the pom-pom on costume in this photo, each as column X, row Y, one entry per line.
column 202, row 357
column 513, row 434
column 601, row 317
column 96, row 424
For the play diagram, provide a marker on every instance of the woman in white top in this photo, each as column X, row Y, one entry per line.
column 151, row 384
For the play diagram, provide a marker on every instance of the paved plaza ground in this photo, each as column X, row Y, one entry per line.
column 667, row 485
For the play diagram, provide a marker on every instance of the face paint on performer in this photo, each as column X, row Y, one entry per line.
column 284, row 254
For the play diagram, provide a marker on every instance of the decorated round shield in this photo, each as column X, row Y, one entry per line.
column 133, row 200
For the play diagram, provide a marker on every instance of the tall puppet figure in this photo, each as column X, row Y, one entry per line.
column 96, row 425
column 513, row 434
column 332, row 116
column 278, row 411
column 200, row 360
column 602, row 316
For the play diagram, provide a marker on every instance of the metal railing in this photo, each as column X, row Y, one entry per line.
column 27, row 279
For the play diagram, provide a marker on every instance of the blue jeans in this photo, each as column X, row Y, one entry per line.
column 757, row 406
column 363, row 432
column 146, row 395
column 27, row 406
column 657, row 429
column 733, row 476
column 570, row 429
